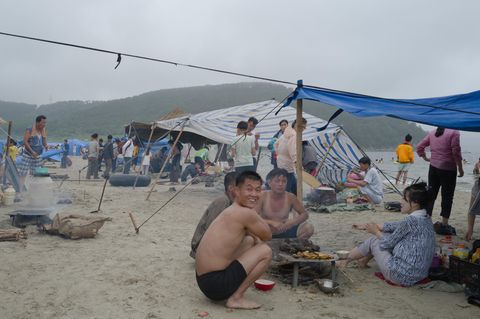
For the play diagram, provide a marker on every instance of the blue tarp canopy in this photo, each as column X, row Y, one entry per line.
column 461, row 112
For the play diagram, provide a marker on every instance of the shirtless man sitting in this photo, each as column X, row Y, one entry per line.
column 275, row 205
column 231, row 254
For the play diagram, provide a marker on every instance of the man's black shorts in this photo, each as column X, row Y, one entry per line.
column 221, row 284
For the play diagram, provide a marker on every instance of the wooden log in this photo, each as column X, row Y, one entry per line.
column 12, row 234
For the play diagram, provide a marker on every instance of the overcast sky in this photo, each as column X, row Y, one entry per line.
column 404, row 49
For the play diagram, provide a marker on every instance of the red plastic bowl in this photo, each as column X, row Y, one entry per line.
column 264, row 284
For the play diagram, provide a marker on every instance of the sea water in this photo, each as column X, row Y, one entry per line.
column 419, row 169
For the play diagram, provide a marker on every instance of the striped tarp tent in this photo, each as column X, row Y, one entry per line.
column 335, row 150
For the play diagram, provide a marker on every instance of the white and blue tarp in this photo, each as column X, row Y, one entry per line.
column 461, row 112
column 220, row 126
column 75, row 146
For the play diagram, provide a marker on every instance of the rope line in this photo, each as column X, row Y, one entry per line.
column 194, row 66
column 168, row 201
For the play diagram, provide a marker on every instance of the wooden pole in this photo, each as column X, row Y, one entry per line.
column 335, row 136
column 188, row 154
column 130, row 129
column 134, row 223
column 258, row 158
column 299, row 129
column 219, row 154
column 9, row 133
column 166, row 161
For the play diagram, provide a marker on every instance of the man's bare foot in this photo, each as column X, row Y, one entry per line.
column 241, row 303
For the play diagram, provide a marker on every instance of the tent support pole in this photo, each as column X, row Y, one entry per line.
column 130, row 129
column 9, row 133
column 152, row 128
column 166, row 161
column 335, row 136
column 299, row 130
column 219, row 154
column 258, row 158
column 188, row 154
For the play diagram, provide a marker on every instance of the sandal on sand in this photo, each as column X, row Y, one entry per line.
column 442, row 229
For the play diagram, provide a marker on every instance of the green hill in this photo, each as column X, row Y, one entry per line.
column 80, row 118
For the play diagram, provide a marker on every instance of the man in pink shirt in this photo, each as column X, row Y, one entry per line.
column 286, row 148
column 445, row 159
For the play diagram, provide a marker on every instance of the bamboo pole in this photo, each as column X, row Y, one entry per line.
column 9, row 133
column 166, row 161
column 219, row 154
column 188, row 154
column 335, row 137
column 299, row 129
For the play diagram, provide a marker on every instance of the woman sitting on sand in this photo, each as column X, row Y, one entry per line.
column 403, row 250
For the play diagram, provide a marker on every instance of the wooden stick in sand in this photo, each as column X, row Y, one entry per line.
column 134, row 223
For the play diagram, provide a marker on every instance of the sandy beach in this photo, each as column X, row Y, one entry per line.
column 120, row 274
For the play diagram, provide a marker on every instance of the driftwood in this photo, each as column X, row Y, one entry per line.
column 12, row 234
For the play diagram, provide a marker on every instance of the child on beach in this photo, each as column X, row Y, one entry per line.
column 146, row 162
column 405, row 159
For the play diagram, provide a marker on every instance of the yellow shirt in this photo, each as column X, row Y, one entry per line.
column 12, row 152
column 405, row 153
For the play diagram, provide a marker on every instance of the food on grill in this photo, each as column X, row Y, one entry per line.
column 291, row 246
column 312, row 255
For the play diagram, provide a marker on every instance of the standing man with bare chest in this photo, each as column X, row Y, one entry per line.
column 34, row 140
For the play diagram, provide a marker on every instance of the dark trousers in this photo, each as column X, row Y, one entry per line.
column 64, row 162
column 114, row 165
column 176, row 169
column 198, row 160
column 241, row 169
column 446, row 180
column 188, row 171
column 291, row 183
column 92, row 167
column 108, row 166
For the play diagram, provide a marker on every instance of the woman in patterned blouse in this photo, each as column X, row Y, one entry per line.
column 402, row 250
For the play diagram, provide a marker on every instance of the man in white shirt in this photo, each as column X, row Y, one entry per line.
column 252, row 124
column 243, row 149
column 127, row 151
